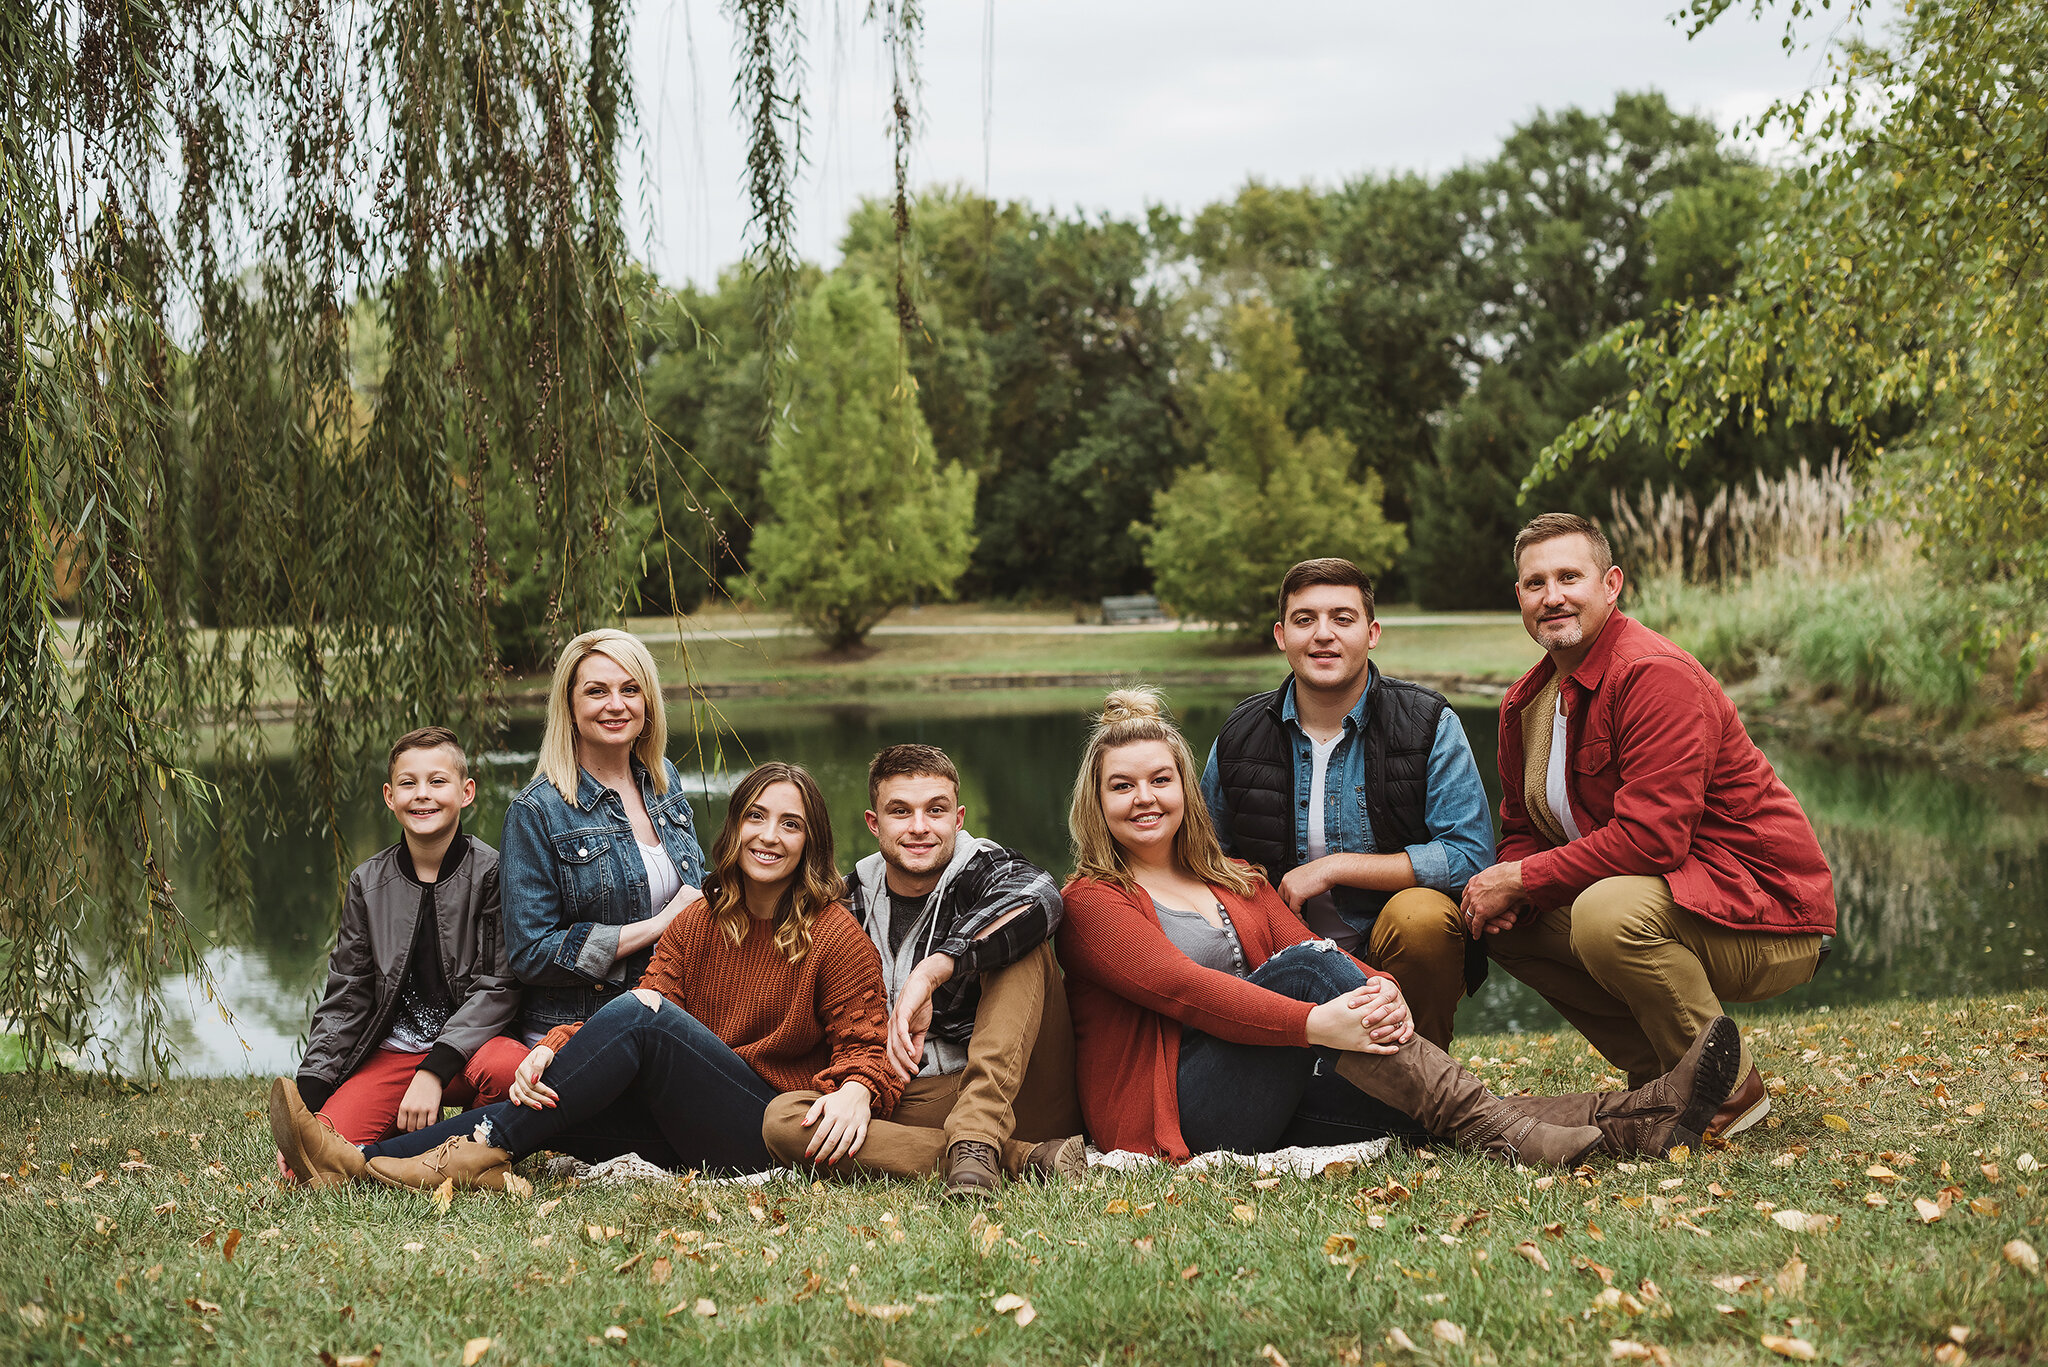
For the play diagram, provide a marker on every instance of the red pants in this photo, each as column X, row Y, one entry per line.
column 364, row 1108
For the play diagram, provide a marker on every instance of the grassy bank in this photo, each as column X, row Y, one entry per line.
column 1484, row 650
column 146, row 1228
column 1883, row 654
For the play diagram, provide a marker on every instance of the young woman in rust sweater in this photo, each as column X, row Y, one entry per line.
column 766, row 985
column 1207, row 1016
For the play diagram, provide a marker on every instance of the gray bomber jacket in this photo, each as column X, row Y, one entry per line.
column 373, row 953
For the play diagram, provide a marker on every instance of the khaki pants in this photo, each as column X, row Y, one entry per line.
column 1640, row 976
column 1017, row 1087
column 1419, row 939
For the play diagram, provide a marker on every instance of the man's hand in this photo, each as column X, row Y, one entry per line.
column 1492, row 899
column 422, row 1104
column 912, row 1015
column 1304, row 881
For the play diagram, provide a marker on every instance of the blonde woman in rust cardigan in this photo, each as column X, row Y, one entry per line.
column 1207, row 1016
column 765, row 985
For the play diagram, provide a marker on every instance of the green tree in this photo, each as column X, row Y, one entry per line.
column 1562, row 234
column 1046, row 362
column 1226, row 531
column 865, row 514
column 1904, row 272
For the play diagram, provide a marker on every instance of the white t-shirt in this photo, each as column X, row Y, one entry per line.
column 1320, row 913
column 1553, row 776
column 1319, row 772
column 663, row 882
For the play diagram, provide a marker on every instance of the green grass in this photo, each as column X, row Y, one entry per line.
column 127, row 1266
column 1482, row 652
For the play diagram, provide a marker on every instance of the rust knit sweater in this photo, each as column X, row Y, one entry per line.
column 810, row 1025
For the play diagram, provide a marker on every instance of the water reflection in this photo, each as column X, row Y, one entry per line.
column 1941, row 879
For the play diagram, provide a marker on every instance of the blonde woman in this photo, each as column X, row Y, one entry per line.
column 598, row 853
column 1207, row 1016
column 765, row 984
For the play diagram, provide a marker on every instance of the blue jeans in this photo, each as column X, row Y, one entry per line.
column 655, row 1083
column 1253, row 1098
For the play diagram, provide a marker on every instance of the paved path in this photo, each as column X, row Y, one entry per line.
column 744, row 632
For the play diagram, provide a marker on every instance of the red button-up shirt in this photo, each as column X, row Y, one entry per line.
column 1663, row 779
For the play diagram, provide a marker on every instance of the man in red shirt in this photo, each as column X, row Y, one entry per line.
column 1652, row 865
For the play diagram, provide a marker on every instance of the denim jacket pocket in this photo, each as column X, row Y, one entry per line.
column 586, row 873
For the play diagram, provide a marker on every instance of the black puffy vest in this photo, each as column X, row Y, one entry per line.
column 1255, row 765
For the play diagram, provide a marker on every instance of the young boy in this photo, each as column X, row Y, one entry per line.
column 418, row 988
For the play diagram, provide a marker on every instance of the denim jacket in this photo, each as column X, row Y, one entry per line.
column 1460, row 826
column 571, row 877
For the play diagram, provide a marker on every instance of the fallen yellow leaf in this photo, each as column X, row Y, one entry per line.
column 1272, row 1355
column 614, row 1334
column 1445, row 1332
column 1265, row 1184
column 1734, row 1283
column 1927, row 1210
column 1881, row 1173
column 1534, row 1254
column 1244, row 1214
column 1792, row 1276
column 1118, row 1206
column 474, row 1350
column 444, row 1196
column 705, row 1307
column 658, row 1272
column 546, row 1207
column 1798, row 1349
column 517, row 1186
column 1834, row 1122
column 1396, row 1338
column 2021, row 1255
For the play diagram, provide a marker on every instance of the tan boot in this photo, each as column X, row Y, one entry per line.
column 463, row 1160
column 1422, row 1081
column 1058, row 1160
column 311, row 1148
column 1746, row 1106
column 1668, row 1111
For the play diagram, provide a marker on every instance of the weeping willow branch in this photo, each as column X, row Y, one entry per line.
column 767, row 96
column 902, row 24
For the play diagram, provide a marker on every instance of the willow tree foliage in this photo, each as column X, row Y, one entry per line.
column 1225, row 532
column 314, row 329
column 865, row 515
column 1904, row 273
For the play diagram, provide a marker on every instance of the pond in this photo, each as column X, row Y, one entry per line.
column 1941, row 878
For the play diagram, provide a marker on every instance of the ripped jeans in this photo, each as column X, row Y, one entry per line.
column 1253, row 1098
column 655, row 1083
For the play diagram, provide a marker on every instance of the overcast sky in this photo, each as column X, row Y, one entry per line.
column 1115, row 104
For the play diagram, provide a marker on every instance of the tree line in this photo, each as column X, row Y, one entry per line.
column 1186, row 403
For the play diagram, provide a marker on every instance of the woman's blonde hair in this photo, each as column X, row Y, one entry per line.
column 1130, row 716
column 558, row 762
column 817, row 884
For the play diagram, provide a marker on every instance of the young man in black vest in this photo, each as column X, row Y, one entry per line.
column 1358, row 796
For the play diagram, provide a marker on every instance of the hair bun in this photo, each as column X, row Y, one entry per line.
column 1133, row 704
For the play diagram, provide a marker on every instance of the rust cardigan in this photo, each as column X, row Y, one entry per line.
column 1132, row 992
column 810, row 1025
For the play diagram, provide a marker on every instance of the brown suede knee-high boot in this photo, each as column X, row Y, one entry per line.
column 1671, row 1110
column 1422, row 1081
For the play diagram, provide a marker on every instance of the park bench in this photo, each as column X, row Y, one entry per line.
column 1129, row 608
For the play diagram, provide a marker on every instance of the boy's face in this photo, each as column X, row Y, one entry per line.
column 427, row 792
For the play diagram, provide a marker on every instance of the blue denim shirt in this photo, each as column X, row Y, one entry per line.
column 1460, row 825
column 571, row 876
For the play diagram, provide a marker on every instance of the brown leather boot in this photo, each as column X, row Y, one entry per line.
column 1747, row 1105
column 1422, row 1081
column 1058, row 1160
column 973, row 1170
column 1668, row 1111
column 462, row 1159
column 315, row 1153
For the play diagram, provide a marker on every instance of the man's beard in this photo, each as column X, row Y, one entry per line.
column 1569, row 633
